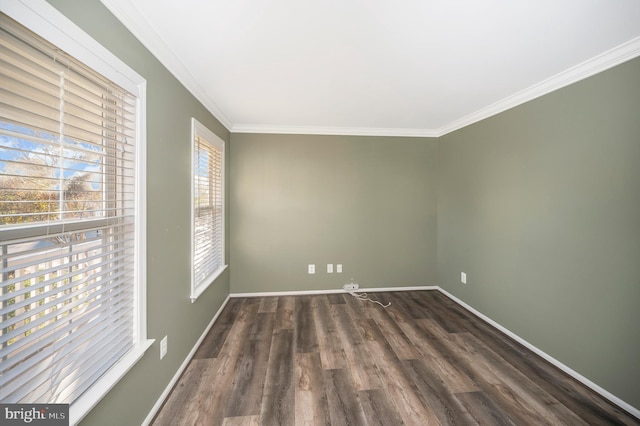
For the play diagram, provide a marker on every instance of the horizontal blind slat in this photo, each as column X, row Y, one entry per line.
column 33, row 256
column 58, row 338
column 41, row 66
column 88, row 372
column 112, row 275
column 39, row 371
column 62, row 305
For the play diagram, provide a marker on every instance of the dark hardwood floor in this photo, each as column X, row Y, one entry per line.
column 336, row 360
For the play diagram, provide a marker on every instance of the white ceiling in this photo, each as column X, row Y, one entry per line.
column 378, row 67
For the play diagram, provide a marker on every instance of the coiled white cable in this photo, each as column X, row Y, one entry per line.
column 363, row 296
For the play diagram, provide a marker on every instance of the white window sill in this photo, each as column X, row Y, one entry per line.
column 195, row 293
column 81, row 407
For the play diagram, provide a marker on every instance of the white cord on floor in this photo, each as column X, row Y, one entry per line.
column 363, row 296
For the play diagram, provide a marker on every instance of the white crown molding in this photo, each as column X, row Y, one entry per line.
column 335, row 131
column 616, row 56
column 135, row 22
column 609, row 59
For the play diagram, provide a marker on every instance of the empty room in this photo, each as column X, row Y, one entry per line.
column 322, row 212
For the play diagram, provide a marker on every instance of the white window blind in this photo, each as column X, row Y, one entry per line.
column 67, row 221
column 207, row 207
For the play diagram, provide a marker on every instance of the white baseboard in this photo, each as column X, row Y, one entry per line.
column 183, row 366
column 331, row 291
column 606, row 394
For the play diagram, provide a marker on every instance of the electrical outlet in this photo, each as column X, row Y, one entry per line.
column 311, row 268
column 163, row 347
column 350, row 287
column 463, row 277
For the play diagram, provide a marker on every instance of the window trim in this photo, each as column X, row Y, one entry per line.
column 46, row 21
column 199, row 129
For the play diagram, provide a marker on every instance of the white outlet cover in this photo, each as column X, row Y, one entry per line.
column 463, row 277
column 329, row 268
column 163, row 346
column 339, row 268
column 312, row 268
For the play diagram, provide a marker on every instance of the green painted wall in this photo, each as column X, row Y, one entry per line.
column 368, row 203
column 169, row 110
column 540, row 206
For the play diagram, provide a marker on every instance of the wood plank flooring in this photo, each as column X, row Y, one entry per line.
column 336, row 360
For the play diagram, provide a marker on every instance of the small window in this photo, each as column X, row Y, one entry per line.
column 207, row 208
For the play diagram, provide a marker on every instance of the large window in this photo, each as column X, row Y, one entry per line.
column 71, row 218
column 207, row 207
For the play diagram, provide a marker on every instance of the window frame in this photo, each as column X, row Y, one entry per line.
column 47, row 22
column 200, row 130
